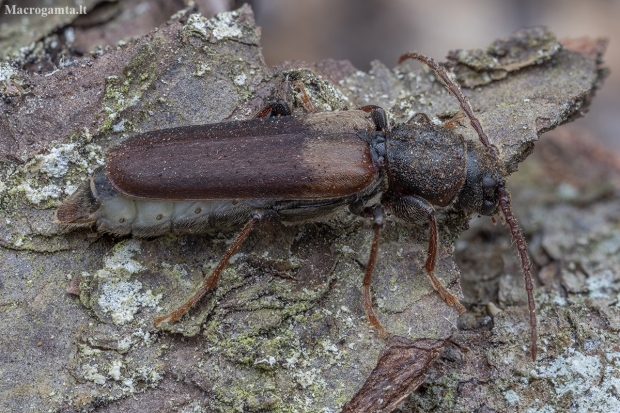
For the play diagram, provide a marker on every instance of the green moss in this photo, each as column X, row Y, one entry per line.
column 124, row 90
column 276, row 350
column 450, row 390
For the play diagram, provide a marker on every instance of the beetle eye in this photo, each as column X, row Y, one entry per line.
column 489, row 203
column 488, row 183
column 488, row 207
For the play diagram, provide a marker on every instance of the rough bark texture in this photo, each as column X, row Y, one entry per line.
column 285, row 330
column 567, row 196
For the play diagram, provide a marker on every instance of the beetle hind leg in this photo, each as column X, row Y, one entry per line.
column 366, row 295
column 211, row 282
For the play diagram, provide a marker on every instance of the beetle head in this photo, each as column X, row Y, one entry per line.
column 484, row 177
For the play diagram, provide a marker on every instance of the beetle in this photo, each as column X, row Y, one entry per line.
column 192, row 178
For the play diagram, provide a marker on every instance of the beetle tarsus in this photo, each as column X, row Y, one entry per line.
column 211, row 282
column 454, row 121
column 431, row 260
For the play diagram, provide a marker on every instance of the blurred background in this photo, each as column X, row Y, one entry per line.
column 359, row 31
column 375, row 29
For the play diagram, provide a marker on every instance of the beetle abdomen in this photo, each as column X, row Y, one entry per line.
column 117, row 214
column 97, row 203
column 121, row 215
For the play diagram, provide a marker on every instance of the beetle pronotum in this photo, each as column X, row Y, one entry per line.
column 193, row 178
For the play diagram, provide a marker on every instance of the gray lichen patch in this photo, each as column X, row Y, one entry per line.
column 223, row 26
column 11, row 81
column 589, row 380
column 118, row 356
column 113, row 291
column 112, row 373
column 49, row 177
column 41, row 183
column 232, row 25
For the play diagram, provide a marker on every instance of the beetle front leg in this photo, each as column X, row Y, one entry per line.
column 366, row 296
column 413, row 209
column 211, row 282
column 280, row 108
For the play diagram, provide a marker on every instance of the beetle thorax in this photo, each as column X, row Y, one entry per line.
column 427, row 161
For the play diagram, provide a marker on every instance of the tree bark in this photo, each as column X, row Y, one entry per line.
column 285, row 329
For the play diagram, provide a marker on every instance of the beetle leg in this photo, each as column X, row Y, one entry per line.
column 305, row 100
column 411, row 208
column 280, row 108
column 454, row 121
column 430, row 266
column 211, row 282
column 366, row 296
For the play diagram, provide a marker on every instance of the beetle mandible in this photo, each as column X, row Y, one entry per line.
column 193, row 178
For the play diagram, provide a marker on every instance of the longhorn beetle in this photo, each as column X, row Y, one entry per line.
column 300, row 168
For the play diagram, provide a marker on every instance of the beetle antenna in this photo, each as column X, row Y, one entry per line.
column 526, row 265
column 456, row 91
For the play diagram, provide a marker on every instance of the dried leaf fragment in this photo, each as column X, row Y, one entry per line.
column 399, row 372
